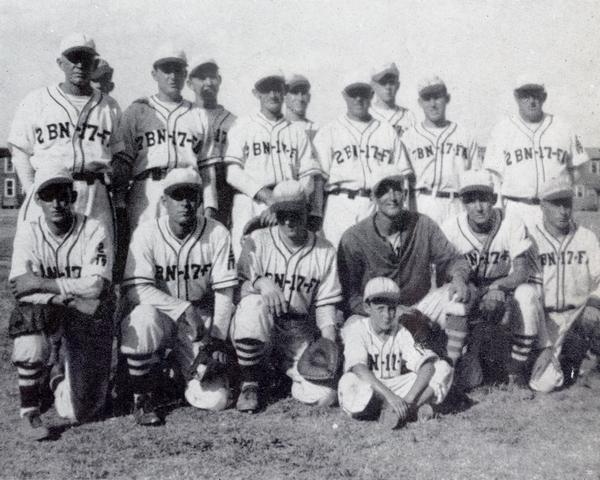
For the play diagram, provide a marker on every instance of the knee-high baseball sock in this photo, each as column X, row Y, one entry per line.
column 520, row 351
column 141, row 375
column 250, row 353
column 30, row 378
column 456, row 330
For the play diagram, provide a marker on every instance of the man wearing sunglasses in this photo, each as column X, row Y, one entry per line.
column 204, row 80
column 162, row 132
column 265, row 149
column 60, row 275
column 352, row 150
column 73, row 124
column 289, row 295
column 530, row 147
column 503, row 265
column 178, row 283
column 385, row 81
column 439, row 151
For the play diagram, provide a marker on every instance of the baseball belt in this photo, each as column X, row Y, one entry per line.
column 426, row 191
column 528, row 201
column 361, row 192
column 155, row 174
column 89, row 177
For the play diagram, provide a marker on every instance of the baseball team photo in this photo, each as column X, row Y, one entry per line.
column 300, row 239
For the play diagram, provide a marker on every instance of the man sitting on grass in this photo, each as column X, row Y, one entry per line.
column 385, row 368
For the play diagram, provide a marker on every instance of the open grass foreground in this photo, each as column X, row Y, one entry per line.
column 506, row 434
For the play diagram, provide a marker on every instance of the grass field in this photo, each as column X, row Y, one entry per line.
column 505, row 434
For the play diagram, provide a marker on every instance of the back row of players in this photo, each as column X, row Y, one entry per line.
column 365, row 160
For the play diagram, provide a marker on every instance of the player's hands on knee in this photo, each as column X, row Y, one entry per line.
column 398, row 404
column 26, row 283
column 272, row 296
column 268, row 218
column 492, row 301
column 459, row 291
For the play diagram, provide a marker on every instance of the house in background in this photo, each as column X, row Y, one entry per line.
column 587, row 189
column 11, row 193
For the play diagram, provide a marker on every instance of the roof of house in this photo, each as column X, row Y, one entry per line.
column 593, row 152
column 592, row 181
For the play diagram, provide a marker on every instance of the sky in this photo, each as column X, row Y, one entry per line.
column 479, row 48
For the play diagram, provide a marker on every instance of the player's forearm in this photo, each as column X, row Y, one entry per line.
column 86, row 287
column 223, row 313
column 25, row 171
column 308, row 185
column 366, row 375
column 421, row 383
column 325, row 319
column 459, row 270
column 520, row 274
column 148, row 294
column 209, row 193
column 37, row 298
column 241, row 181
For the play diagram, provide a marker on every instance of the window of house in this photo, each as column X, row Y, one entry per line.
column 579, row 191
column 8, row 165
column 9, row 187
column 595, row 166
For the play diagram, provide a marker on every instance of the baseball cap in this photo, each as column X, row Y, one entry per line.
column 267, row 78
column 355, row 80
column 77, row 41
column 169, row 53
column 52, row 174
column 388, row 174
column 295, row 80
column 182, row 177
column 382, row 70
column 289, row 196
column 433, row 84
column 201, row 61
column 557, row 187
column 476, row 181
column 103, row 69
column 382, row 288
column 529, row 81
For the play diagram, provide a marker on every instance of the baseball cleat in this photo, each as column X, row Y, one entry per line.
column 248, row 399
column 33, row 428
column 144, row 412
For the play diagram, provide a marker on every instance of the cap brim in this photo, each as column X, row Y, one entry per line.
column 195, row 70
column 476, row 188
column 161, row 61
column 54, row 181
column 297, row 83
column 530, row 86
column 354, row 85
column 378, row 76
column 566, row 193
column 89, row 50
column 394, row 179
column 433, row 89
column 176, row 186
column 385, row 297
column 259, row 86
column 290, row 206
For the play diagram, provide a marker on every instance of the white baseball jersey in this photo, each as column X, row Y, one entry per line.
column 219, row 121
column 50, row 124
column 526, row 155
column 311, row 128
column 84, row 251
column 185, row 269
column 386, row 358
column 570, row 267
column 160, row 134
column 351, row 152
column 270, row 152
column 308, row 276
column 398, row 117
column 439, row 156
column 510, row 241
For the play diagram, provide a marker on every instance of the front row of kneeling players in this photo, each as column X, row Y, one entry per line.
column 179, row 291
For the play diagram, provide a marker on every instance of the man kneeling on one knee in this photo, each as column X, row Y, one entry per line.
column 384, row 366
column 179, row 278
column 288, row 299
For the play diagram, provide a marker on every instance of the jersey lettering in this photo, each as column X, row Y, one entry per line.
column 296, row 282
column 71, row 271
column 529, row 153
column 152, row 138
column 349, row 152
column 266, row 148
column 86, row 131
column 563, row 258
column 446, row 148
column 388, row 365
column 491, row 258
column 191, row 271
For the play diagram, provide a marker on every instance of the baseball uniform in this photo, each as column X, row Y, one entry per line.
column 268, row 152
column 163, row 277
column 525, row 155
column 394, row 361
column 308, row 278
column 351, row 152
column 438, row 157
column 158, row 137
column 402, row 119
column 80, row 261
column 77, row 132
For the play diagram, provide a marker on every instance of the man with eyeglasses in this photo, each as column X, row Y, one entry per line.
column 265, row 149
column 178, row 285
column 352, row 150
column 289, row 295
column 529, row 148
column 162, row 132
column 60, row 275
column 205, row 80
column 439, row 151
column 385, row 81
column 74, row 125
